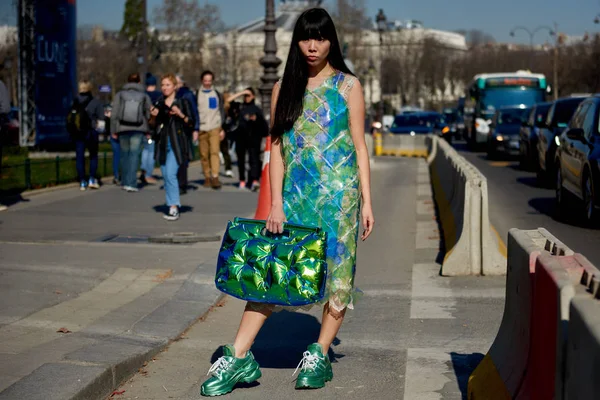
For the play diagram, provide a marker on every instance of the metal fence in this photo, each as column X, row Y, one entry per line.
column 39, row 173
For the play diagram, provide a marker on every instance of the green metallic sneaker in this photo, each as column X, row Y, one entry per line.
column 315, row 368
column 228, row 370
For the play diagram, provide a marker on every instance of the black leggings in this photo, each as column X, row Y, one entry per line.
column 224, row 147
column 251, row 146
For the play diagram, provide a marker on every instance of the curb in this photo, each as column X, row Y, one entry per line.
column 106, row 361
column 64, row 186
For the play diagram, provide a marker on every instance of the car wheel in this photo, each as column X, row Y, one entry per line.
column 523, row 157
column 591, row 214
column 560, row 196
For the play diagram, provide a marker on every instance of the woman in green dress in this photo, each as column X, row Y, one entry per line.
column 320, row 176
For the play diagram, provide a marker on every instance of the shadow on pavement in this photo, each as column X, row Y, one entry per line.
column 546, row 205
column 530, row 181
column 464, row 365
column 163, row 209
column 283, row 339
column 10, row 199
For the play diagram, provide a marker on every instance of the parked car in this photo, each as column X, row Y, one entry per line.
column 558, row 118
column 529, row 135
column 419, row 123
column 504, row 131
column 577, row 161
column 454, row 122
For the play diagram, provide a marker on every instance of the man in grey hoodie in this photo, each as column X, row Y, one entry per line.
column 129, row 122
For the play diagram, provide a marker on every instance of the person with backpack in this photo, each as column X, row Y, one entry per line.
column 252, row 129
column 147, row 166
column 129, row 120
column 184, row 92
column 82, row 124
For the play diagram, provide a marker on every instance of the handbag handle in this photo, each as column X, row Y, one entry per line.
column 286, row 225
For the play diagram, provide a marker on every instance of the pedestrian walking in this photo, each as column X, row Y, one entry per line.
column 129, row 120
column 183, row 92
column 4, row 110
column 212, row 118
column 226, row 143
column 85, row 118
column 173, row 116
column 147, row 166
column 114, row 144
column 320, row 175
column 252, row 129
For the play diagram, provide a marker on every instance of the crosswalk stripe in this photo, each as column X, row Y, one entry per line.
column 432, row 298
column 427, row 372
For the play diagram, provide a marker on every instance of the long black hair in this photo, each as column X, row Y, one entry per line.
column 314, row 23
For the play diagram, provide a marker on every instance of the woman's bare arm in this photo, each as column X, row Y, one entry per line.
column 276, row 172
column 356, row 104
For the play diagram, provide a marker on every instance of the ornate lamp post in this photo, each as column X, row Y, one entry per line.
column 381, row 21
column 553, row 33
column 269, row 61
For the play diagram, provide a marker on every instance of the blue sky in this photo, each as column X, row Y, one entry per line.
column 494, row 16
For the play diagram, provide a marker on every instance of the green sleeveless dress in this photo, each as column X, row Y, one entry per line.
column 321, row 184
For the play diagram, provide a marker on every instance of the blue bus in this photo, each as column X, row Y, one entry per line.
column 488, row 92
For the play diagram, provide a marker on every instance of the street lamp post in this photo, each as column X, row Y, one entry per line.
column 381, row 21
column 553, row 32
column 269, row 61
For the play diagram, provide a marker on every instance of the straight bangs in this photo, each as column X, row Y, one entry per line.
column 315, row 26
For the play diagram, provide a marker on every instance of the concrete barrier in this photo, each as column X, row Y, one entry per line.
column 404, row 145
column 582, row 359
column 501, row 372
column 556, row 282
column 461, row 195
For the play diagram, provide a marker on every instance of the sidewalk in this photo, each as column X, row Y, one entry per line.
column 414, row 335
column 85, row 299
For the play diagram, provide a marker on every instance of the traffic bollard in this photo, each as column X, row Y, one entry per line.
column 57, row 168
column 28, row 173
column 378, row 143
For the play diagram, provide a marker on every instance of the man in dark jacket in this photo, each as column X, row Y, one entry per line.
column 252, row 129
column 129, row 121
column 89, row 139
column 183, row 92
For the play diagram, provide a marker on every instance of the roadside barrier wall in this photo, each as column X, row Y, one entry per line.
column 548, row 344
column 403, row 145
column 582, row 359
column 461, row 195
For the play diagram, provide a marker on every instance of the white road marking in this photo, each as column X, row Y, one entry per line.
column 427, row 373
column 428, row 235
column 432, row 298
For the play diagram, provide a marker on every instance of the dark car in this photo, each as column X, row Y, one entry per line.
column 418, row 123
column 558, row 118
column 577, row 160
column 529, row 135
column 504, row 132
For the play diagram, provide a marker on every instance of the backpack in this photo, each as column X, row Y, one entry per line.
column 79, row 122
column 132, row 108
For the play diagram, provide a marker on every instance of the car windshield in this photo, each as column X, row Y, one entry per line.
column 492, row 99
column 564, row 110
column 513, row 116
column 450, row 116
column 416, row 120
column 541, row 112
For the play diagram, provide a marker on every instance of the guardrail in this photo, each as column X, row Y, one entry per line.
column 548, row 344
column 460, row 192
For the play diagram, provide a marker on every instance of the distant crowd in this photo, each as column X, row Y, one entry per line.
column 159, row 123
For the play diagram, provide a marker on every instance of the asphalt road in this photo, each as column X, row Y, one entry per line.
column 517, row 201
column 413, row 335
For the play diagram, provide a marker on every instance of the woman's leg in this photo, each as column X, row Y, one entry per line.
column 330, row 326
column 253, row 319
column 80, row 159
column 169, row 171
column 93, row 149
column 240, row 150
